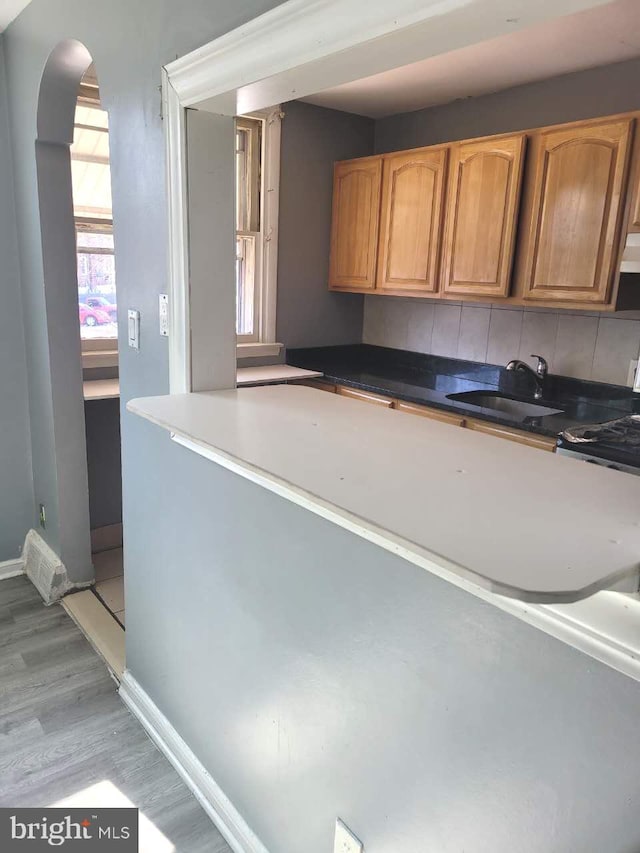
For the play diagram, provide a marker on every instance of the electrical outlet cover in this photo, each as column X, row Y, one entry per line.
column 345, row 840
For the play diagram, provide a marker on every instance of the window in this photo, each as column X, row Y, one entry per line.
column 91, row 180
column 257, row 175
column 248, row 226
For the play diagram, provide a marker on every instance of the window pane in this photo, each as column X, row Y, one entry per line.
column 245, row 282
column 91, row 189
column 97, row 294
column 93, row 116
column 242, row 180
column 92, row 240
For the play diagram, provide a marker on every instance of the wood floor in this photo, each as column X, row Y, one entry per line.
column 65, row 734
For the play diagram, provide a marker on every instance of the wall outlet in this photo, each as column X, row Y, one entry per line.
column 345, row 841
column 42, row 515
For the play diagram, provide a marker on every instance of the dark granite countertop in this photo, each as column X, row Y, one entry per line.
column 430, row 379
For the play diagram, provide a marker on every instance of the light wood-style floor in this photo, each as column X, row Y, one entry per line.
column 66, row 736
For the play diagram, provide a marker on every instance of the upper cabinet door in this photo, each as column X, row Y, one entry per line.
column 578, row 200
column 482, row 213
column 354, row 226
column 411, row 219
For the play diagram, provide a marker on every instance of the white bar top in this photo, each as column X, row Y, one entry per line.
column 467, row 506
column 273, row 373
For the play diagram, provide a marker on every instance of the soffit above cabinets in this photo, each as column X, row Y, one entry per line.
column 9, row 10
column 598, row 36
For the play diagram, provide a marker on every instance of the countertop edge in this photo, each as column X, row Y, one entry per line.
column 459, row 575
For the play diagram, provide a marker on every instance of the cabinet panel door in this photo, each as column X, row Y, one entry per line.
column 484, row 192
column 354, row 226
column 578, row 200
column 411, row 219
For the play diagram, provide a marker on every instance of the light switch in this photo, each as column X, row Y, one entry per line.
column 163, row 310
column 134, row 328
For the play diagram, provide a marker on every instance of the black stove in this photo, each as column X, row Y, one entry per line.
column 615, row 444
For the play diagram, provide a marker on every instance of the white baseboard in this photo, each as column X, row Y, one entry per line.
column 11, row 568
column 217, row 805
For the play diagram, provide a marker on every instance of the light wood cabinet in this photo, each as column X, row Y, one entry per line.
column 319, row 384
column 365, row 396
column 426, row 412
column 541, row 442
column 578, row 176
column 354, row 227
column 413, row 185
column 482, row 214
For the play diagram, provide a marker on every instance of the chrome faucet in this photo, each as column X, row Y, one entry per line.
column 538, row 374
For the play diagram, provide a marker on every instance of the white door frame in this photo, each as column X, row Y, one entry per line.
column 296, row 49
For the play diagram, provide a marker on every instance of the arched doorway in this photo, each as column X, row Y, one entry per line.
column 67, row 527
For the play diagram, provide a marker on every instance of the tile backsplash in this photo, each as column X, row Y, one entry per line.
column 583, row 344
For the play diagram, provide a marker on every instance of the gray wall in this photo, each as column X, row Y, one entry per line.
column 313, row 138
column 16, row 486
column 581, row 344
column 571, row 97
column 312, row 673
column 332, row 678
column 102, row 422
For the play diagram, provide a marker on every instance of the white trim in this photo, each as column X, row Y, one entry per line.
column 604, row 626
column 206, row 790
column 271, row 136
column 178, row 252
column 11, row 569
column 358, row 37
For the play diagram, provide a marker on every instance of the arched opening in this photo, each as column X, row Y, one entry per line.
column 65, row 162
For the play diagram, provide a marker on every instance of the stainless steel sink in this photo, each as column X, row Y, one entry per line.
column 517, row 409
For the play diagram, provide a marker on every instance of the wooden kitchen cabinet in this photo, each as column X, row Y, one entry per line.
column 541, row 442
column 576, row 202
column 413, row 186
column 354, row 226
column 426, row 412
column 365, row 396
column 482, row 215
column 319, row 384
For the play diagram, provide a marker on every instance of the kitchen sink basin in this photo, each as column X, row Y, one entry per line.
column 517, row 409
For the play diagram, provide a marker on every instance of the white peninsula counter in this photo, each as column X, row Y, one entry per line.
column 477, row 510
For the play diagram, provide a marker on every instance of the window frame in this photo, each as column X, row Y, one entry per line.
column 263, row 341
column 96, row 352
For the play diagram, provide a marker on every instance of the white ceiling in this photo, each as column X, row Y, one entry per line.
column 10, row 9
column 598, row 36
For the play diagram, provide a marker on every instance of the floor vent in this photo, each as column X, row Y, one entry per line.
column 45, row 569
